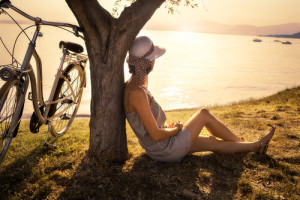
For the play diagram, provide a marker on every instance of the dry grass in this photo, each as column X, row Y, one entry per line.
column 33, row 172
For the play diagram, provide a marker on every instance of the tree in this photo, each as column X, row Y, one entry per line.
column 107, row 41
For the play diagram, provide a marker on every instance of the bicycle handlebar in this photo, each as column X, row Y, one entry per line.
column 39, row 21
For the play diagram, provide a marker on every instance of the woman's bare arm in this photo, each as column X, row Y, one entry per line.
column 139, row 101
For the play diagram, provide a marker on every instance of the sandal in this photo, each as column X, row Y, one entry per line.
column 263, row 148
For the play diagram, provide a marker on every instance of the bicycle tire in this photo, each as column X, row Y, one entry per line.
column 9, row 98
column 76, row 76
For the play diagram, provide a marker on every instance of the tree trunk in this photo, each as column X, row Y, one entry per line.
column 107, row 41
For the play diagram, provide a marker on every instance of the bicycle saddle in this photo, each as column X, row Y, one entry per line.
column 76, row 48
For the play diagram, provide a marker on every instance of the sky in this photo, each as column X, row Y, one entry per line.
column 233, row 12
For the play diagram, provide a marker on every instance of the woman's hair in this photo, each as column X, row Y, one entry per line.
column 132, row 69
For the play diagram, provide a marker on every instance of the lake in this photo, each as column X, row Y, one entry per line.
column 197, row 70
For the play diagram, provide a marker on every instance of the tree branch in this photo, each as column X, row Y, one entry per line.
column 133, row 18
column 86, row 18
column 96, row 21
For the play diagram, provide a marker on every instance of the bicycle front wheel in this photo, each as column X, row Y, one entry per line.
column 68, row 93
column 9, row 98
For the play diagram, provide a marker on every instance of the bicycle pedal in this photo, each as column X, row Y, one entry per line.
column 67, row 101
column 52, row 146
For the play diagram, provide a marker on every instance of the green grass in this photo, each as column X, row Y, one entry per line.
column 31, row 171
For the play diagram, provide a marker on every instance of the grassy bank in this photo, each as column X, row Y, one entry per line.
column 31, row 171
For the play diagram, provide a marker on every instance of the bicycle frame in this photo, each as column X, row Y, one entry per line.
column 58, row 76
column 27, row 72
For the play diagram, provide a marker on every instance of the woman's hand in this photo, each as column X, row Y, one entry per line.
column 177, row 125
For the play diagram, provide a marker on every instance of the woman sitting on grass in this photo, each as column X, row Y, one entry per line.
column 170, row 143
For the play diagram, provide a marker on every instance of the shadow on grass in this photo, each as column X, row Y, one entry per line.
column 204, row 176
column 273, row 164
column 21, row 169
column 207, row 176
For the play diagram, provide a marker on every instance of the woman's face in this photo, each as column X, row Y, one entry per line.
column 152, row 63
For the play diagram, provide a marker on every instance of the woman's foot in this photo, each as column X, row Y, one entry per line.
column 264, row 141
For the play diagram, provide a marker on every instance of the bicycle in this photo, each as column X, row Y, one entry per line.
column 59, row 111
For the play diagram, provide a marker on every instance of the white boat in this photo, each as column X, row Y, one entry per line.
column 287, row 42
column 257, row 40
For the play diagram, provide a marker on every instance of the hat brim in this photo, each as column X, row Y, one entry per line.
column 158, row 51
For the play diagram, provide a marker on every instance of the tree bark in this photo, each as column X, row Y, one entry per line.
column 107, row 41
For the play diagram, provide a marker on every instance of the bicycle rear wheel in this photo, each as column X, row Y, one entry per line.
column 9, row 98
column 64, row 112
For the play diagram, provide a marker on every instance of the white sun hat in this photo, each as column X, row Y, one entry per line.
column 143, row 46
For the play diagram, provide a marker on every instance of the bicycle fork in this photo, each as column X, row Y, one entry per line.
column 17, row 115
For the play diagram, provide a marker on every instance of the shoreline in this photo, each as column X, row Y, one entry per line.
column 27, row 116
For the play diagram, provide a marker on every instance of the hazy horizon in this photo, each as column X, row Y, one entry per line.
column 230, row 12
column 212, row 27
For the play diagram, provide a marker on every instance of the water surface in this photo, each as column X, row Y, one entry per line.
column 197, row 69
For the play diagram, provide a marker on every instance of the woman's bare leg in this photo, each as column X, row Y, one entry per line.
column 204, row 143
column 212, row 124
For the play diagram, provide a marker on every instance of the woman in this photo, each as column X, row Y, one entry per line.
column 170, row 143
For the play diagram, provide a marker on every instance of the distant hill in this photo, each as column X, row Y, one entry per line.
column 219, row 28
column 296, row 35
column 213, row 27
column 12, row 22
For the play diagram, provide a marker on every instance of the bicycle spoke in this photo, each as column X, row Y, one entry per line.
column 6, row 118
column 72, row 89
column 9, row 102
column 70, row 84
column 6, row 114
column 68, row 89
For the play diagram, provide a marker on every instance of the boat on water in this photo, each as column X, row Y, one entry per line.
column 257, row 40
column 277, row 41
column 287, row 42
